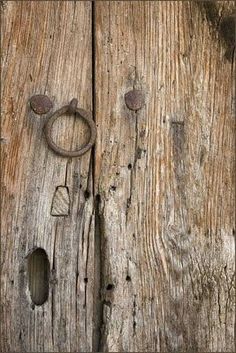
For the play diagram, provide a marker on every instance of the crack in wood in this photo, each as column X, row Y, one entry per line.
column 98, row 278
column 134, row 315
column 179, row 139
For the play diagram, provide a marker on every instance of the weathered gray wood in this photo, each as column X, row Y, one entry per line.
column 140, row 238
column 165, row 175
column 46, row 49
column 61, row 202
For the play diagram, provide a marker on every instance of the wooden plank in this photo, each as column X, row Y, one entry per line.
column 164, row 178
column 46, row 49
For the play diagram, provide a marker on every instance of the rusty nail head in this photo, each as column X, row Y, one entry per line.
column 40, row 104
column 134, row 99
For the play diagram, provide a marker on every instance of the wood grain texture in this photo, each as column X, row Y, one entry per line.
column 165, row 178
column 139, row 234
column 46, row 49
column 61, row 202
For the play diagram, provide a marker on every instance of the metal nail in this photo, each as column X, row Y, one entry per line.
column 40, row 104
column 134, row 99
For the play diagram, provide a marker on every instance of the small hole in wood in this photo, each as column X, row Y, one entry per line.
column 129, row 166
column 85, row 280
column 86, row 194
column 110, row 286
column 38, row 276
column 98, row 198
column 128, row 278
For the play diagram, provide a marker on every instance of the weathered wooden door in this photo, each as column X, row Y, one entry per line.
column 129, row 248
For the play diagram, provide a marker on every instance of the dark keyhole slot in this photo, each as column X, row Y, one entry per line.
column 38, row 275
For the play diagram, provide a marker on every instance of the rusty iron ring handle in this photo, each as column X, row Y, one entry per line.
column 71, row 109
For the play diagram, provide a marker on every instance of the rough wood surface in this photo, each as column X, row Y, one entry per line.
column 139, row 233
column 165, row 175
column 46, row 49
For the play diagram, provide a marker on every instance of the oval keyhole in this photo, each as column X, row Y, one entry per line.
column 38, row 276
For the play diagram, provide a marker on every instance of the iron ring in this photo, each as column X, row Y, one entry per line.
column 71, row 109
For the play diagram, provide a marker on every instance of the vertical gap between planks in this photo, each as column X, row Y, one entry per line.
column 97, row 305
